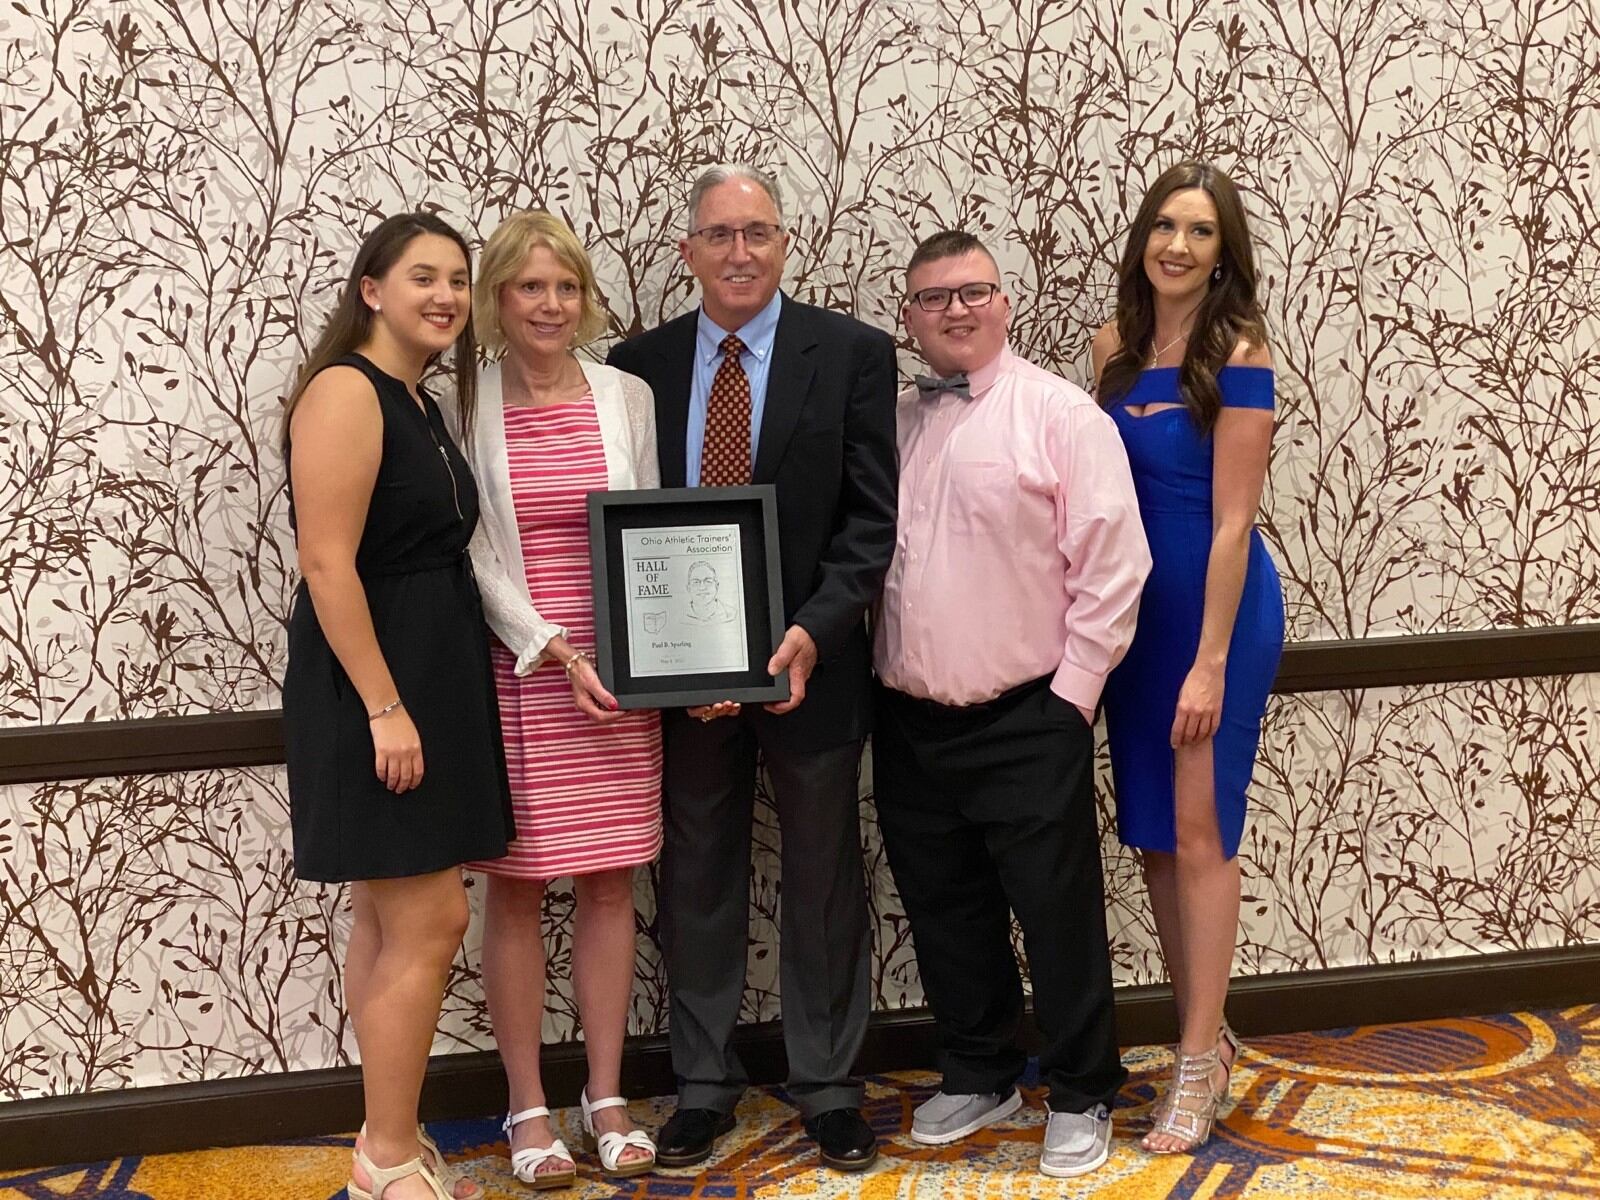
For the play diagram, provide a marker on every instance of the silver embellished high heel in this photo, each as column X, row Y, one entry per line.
column 1189, row 1109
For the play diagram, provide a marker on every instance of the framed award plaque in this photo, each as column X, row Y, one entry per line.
column 688, row 598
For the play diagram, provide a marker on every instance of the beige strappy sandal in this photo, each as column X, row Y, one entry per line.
column 382, row 1177
column 452, row 1177
column 1191, row 1081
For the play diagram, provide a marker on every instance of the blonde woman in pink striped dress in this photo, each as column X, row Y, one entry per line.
column 585, row 777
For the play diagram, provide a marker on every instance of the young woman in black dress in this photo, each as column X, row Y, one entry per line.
column 396, row 771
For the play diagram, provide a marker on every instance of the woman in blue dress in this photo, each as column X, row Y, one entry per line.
column 1185, row 373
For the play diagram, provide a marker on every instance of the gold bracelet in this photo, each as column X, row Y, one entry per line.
column 578, row 656
column 384, row 711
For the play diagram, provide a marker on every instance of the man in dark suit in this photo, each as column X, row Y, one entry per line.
column 755, row 387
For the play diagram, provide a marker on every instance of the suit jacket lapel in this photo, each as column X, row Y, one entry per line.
column 788, row 382
column 676, row 354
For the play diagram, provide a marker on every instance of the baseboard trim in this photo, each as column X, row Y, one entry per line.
column 176, row 1117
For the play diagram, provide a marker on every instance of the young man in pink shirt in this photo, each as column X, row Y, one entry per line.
column 1014, row 588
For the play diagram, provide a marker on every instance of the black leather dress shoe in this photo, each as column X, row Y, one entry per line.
column 846, row 1141
column 690, row 1135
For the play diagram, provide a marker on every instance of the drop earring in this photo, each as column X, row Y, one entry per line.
column 1216, row 275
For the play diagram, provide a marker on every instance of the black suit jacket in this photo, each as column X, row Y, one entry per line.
column 827, row 444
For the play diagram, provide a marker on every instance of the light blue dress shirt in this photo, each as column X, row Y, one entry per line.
column 758, row 335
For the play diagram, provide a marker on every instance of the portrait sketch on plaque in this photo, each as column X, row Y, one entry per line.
column 685, row 600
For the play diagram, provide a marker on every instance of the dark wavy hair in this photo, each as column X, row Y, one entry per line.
column 1228, row 311
column 350, row 323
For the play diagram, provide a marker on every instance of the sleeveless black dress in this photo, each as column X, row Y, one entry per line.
column 425, row 608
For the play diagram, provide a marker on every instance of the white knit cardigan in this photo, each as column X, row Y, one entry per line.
column 627, row 416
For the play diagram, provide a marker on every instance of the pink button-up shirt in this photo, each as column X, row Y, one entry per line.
column 1019, row 550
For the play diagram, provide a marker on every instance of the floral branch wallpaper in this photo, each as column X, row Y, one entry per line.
column 182, row 186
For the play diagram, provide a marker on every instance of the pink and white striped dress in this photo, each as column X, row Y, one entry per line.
column 587, row 797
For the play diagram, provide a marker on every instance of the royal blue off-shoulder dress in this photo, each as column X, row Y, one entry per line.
column 1172, row 473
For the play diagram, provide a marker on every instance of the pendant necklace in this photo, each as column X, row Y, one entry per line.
column 1156, row 357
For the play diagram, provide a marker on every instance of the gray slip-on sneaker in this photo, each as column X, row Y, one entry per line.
column 944, row 1119
column 1076, row 1143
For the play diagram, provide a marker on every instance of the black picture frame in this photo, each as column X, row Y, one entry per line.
column 754, row 509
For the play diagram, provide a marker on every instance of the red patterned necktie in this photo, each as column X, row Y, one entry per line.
column 725, row 457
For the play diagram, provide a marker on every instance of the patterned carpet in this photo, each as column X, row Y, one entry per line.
column 1502, row 1108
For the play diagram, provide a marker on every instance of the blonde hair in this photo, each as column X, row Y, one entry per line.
column 501, row 262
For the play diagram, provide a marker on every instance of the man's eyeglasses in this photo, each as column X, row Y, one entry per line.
column 937, row 299
column 757, row 235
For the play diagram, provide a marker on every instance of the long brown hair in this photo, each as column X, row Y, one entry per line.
column 350, row 323
column 1228, row 311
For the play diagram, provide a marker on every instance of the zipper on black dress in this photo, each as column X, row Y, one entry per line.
column 455, row 492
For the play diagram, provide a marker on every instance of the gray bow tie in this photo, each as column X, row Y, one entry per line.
column 929, row 386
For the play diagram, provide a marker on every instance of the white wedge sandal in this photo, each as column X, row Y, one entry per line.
column 611, row 1146
column 525, row 1164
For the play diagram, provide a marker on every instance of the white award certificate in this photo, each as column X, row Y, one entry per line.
column 685, row 600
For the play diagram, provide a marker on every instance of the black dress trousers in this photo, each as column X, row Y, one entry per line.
column 988, row 810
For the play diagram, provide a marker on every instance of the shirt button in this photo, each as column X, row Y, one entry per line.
column 922, row 508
